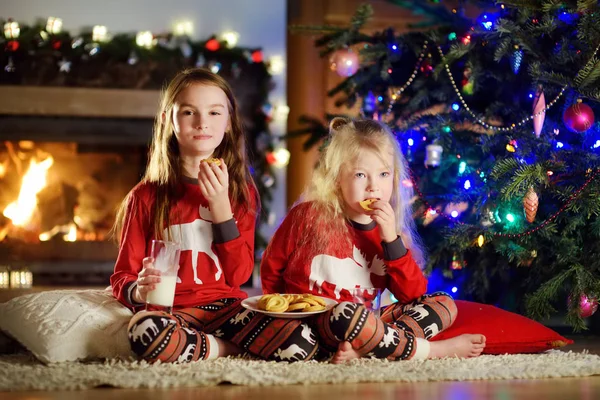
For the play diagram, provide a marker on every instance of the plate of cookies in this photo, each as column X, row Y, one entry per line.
column 289, row 305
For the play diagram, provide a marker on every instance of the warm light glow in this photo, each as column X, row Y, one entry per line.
column 99, row 33
column 183, row 28
column 54, row 25
column 144, row 39
column 281, row 112
column 4, row 279
column 276, row 65
column 2, row 170
column 21, row 279
column 231, row 38
column 480, row 241
column 71, row 235
column 282, row 157
column 12, row 30
column 21, row 210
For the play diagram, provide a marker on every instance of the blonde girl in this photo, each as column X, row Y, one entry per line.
column 354, row 229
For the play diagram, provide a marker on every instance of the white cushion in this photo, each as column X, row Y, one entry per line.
column 68, row 325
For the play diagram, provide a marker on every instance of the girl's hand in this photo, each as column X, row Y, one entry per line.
column 214, row 185
column 146, row 281
column 383, row 214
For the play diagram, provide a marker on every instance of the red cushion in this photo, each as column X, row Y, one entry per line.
column 505, row 332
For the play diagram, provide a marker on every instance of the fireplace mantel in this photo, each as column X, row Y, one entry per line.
column 77, row 102
column 75, row 114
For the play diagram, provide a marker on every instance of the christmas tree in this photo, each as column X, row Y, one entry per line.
column 494, row 110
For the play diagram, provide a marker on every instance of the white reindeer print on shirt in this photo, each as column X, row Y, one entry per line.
column 197, row 236
column 347, row 273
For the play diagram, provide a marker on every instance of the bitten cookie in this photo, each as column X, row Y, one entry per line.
column 215, row 161
column 365, row 204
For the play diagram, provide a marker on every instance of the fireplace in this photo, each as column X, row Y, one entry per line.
column 64, row 169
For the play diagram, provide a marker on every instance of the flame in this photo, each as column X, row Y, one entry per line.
column 21, row 210
column 71, row 236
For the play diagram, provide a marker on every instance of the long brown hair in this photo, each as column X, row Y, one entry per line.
column 347, row 139
column 164, row 163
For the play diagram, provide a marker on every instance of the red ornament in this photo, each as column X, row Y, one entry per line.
column 12, row 45
column 345, row 62
column 426, row 67
column 212, row 45
column 257, row 56
column 579, row 117
column 56, row 44
column 587, row 305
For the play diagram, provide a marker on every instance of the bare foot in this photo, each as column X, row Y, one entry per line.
column 462, row 346
column 226, row 348
column 345, row 353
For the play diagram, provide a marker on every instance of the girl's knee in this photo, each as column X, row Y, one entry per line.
column 342, row 318
column 446, row 301
column 145, row 328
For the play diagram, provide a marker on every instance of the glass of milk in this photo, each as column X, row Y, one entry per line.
column 166, row 259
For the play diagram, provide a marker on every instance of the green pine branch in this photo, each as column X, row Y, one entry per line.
column 539, row 304
column 588, row 75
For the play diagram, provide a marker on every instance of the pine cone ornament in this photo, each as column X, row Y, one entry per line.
column 530, row 205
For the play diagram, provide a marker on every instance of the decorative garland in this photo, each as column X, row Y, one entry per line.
column 512, row 127
column 509, row 235
column 409, row 81
column 37, row 56
column 492, row 127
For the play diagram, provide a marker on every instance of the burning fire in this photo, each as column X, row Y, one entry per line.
column 21, row 211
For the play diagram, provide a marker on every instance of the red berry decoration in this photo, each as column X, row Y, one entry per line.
column 212, row 45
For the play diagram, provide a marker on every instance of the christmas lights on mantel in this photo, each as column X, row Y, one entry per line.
column 47, row 47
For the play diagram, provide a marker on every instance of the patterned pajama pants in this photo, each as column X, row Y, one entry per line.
column 182, row 337
column 391, row 336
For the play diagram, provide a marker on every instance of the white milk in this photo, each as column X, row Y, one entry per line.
column 164, row 293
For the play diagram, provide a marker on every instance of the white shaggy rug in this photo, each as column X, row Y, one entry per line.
column 23, row 372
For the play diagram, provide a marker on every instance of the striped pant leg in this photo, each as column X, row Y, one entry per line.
column 368, row 334
column 157, row 335
column 425, row 317
column 269, row 338
column 178, row 337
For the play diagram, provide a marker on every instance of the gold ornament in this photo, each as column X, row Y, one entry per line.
column 530, row 205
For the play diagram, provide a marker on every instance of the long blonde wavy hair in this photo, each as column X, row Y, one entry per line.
column 164, row 163
column 347, row 139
